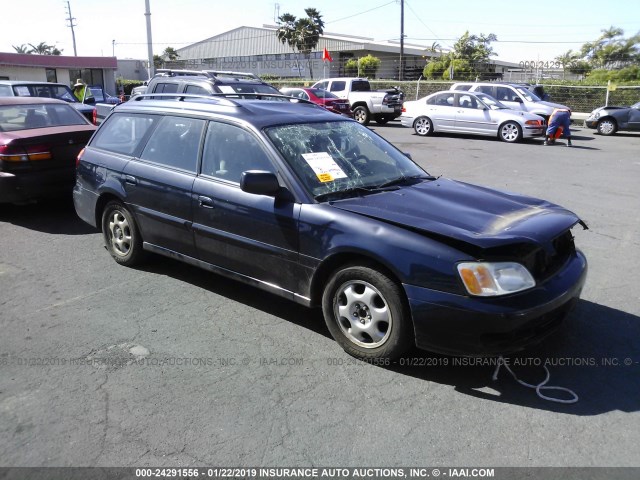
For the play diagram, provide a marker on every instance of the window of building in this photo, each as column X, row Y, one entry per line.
column 52, row 76
column 90, row 76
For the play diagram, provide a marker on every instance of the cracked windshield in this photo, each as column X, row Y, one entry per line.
column 342, row 159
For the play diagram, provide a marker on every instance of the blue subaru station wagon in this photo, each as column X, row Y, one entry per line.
column 288, row 197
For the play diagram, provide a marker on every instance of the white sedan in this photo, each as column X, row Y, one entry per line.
column 470, row 113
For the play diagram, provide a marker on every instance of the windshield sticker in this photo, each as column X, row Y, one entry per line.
column 22, row 91
column 226, row 89
column 324, row 166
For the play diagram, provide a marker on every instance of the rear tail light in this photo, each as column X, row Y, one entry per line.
column 20, row 154
column 79, row 157
column 404, row 109
column 94, row 118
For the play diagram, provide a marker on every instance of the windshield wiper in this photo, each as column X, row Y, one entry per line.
column 403, row 179
column 348, row 192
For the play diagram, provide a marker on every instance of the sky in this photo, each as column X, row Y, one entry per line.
column 537, row 30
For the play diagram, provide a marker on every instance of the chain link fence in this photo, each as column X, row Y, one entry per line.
column 580, row 98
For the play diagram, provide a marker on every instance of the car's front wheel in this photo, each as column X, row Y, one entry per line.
column 367, row 313
column 121, row 234
column 423, row 126
column 607, row 126
column 510, row 132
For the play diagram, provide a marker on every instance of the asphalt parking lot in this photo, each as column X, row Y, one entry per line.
column 167, row 365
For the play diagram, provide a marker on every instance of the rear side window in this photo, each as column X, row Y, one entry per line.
column 5, row 91
column 485, row 89
column 175, row 143
column 197, row 90
column 123, row 132
column 166, row 88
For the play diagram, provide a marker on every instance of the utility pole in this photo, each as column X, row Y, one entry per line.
column 401, row 75
column 147, row 14
column 71, row 25
column 113, row 48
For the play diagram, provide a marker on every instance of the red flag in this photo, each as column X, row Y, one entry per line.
column 326, row 56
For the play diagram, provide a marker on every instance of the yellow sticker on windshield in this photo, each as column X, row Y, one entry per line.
column 325, row 177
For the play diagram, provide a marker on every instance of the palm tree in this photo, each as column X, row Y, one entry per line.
column 302, row 34
column 21, row 48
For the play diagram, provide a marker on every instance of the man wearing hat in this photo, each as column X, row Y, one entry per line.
column 81, row 91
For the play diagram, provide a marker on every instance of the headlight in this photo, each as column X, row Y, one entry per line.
column 594, row 116
column 487, row 279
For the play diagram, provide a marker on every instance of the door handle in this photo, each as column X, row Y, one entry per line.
column 131, row 180
column 205, row 202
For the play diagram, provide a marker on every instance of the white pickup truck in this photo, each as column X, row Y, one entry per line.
column 366, row 104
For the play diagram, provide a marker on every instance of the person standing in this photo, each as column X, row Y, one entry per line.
column 81, row 91
column 560, row 119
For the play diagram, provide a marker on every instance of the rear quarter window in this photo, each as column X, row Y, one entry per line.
column 123, row 132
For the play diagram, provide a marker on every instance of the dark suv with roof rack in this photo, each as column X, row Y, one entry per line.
column 206, row 82
column 312, row 206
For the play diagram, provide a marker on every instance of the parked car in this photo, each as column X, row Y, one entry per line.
column 608, row 120
column 324, row 98
column 14, row 88
column 101, row 96
column 469, row 113
column 513, row 95
column 366, row 103
column 40, row 139
column 199, row 82
column 314, row 207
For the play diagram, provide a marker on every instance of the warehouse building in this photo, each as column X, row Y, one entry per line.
column 259, row 51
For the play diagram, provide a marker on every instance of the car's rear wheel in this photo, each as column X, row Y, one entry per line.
column 367, row 313
column 121, row 234
column 423, row 126
column 361, row 115
column 607, row 126
column 510, row 132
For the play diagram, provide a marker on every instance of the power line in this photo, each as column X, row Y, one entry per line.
column 361, row 13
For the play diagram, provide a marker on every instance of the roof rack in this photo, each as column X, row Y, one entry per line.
column 169, row 72
column 226, row 99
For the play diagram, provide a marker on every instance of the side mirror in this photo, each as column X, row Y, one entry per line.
column 517, row 100
column 408, row 155
column 89, row 101
column 259, row 182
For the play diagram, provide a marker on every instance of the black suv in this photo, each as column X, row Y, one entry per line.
column 291, row 198
column 207, row 82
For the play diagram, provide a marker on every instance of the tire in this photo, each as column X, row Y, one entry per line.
column 367, row 313
column 607, row 126
column 510, row 132
column 382, row 120
column 361, row 115
column 423, row 126
column 121, row 235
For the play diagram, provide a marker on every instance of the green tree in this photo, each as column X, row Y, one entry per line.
column 44, row 49
column 21, row 48
column 369, row 66
column 351, row 67
column 611, row 50
column 170, row 54
column 301, row 34
column 158, row 61
column 470, row 58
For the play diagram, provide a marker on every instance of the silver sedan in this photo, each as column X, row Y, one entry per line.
column 470, row 113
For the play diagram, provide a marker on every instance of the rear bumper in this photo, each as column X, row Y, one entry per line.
column 22, row 187
column 85, row 203
column 462, row 325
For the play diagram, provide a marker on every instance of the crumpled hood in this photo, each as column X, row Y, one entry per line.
column 479, row 216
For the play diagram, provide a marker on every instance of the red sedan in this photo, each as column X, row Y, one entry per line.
column 320, row 97
column 40, row 139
